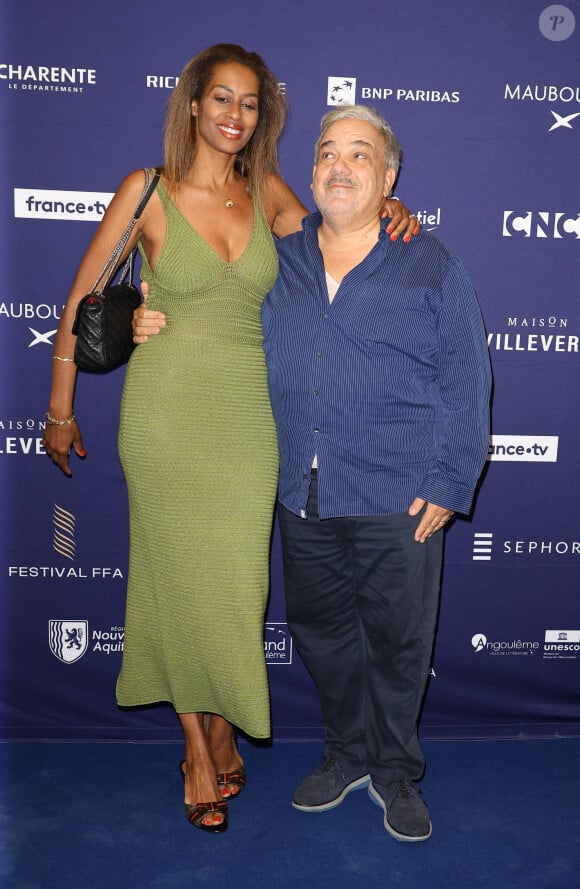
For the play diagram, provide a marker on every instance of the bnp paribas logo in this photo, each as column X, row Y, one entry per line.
column 341, row 91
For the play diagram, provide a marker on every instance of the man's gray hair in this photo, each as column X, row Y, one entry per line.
column 363, row 112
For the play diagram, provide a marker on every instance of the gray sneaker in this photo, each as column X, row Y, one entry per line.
column 328, row 785
column 406, row 815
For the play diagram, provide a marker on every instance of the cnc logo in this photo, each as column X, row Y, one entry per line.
column 60, row 206
column 524, row 448
column 68, row 639
column 546, row 224
column 556, row 22
column 341, row 91
column 482, row 546
column 277, row 643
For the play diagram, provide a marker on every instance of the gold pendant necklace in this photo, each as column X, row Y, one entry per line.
column 228, row 201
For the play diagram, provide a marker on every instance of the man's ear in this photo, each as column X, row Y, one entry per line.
column 390, row 176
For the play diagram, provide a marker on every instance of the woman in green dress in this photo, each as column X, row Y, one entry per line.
column 197, row 439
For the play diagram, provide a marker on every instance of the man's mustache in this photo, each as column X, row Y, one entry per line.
column 337, row 179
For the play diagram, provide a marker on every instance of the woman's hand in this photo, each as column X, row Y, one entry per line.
column 57, row 441
column 403, row 222
column 145, row 321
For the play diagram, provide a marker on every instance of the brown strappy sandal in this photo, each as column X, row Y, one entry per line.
column 196, row 812
column 237, row 778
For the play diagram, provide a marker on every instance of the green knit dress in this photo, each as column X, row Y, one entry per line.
column 198, row 448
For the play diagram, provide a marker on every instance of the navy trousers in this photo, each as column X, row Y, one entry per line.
column 361, row 603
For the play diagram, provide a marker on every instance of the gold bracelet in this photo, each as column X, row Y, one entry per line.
column 52, row 421
column 58, row 358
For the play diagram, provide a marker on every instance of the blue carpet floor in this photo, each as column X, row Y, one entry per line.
column 109, row 816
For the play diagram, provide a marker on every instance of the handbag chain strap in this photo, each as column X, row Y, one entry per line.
column 108, row 270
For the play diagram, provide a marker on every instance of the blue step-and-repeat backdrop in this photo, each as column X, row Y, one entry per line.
column 485, row 99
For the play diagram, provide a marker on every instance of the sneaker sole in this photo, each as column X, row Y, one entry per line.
column 333, row 803
column 401, row 837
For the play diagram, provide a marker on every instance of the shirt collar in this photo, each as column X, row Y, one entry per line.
column 313, row 221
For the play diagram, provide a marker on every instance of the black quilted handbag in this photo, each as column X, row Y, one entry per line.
column 103, row 319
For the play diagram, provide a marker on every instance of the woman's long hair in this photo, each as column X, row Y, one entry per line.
column 259, row 157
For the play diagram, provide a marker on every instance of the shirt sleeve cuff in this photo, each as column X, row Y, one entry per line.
column 445, row 493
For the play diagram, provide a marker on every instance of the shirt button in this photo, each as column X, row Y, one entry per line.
column 316, row 429
column 316, row 391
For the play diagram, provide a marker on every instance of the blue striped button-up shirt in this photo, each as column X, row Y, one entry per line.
column 388, row 385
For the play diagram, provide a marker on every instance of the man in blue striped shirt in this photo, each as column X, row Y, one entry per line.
column 379, row 380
